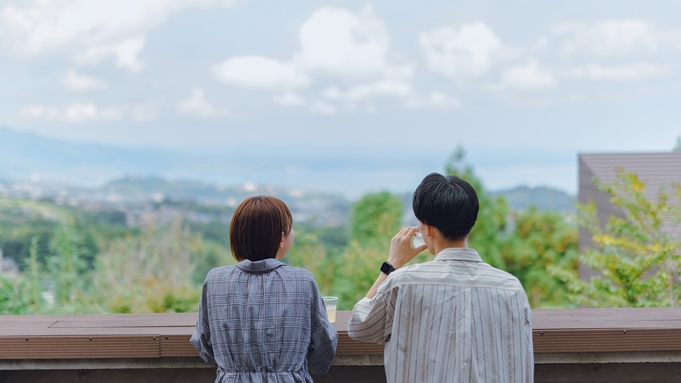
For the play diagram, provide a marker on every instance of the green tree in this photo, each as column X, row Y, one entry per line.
column 637, row 258
column 35, row 276
column 66, row 268
column 151, row 272
column 310, row 253
column 540, row 239
column 375, row 218
column 12, row 299
column 57, row 286
column 356, row 272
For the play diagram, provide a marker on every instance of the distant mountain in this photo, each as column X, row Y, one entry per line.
column 351, row 171
column 543, row 198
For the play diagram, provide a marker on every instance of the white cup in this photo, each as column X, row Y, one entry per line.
column 330, row 303
column 417, row 240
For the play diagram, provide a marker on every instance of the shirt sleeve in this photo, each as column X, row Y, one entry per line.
column 324, row 339
column 201, row 337
column 371, row 318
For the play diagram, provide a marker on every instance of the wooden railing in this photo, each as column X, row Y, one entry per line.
column 161, row 341
column 112, row 336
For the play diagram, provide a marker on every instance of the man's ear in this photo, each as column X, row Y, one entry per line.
column 283, row 238
column 429, row 230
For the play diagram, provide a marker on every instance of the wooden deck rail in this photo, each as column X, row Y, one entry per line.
column 130, row 336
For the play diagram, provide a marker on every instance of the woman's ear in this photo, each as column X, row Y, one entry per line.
column 283, row 238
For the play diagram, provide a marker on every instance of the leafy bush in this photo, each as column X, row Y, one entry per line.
column 150, row 272
column 638, row 260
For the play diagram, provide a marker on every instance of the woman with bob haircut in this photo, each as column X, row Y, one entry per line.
column 261, row 320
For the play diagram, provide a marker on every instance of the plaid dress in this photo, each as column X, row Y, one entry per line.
column 263, row 322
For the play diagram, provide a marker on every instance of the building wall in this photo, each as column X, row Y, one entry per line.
column 657, row 170
column 588, row 193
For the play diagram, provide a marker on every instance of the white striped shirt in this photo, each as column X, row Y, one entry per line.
column 454, row 319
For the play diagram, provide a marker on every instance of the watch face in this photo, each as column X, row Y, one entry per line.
column 387, row 268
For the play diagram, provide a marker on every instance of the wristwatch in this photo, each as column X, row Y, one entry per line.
column 387, row 268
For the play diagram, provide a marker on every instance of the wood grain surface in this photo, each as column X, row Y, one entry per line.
column 113, row 336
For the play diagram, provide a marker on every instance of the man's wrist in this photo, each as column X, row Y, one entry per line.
column 396, row 264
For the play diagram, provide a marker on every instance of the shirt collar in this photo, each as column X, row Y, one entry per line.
column 259, row 267
column 458, row 254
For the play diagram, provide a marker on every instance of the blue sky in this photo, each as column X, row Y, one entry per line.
column 522, row 85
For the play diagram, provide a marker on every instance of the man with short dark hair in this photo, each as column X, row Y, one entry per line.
column 454, row 319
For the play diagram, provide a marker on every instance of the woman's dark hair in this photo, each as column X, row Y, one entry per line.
column 449, row 204
column 257, row 226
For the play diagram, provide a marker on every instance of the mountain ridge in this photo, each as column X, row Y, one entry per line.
column 523, row 197
column 352, row 171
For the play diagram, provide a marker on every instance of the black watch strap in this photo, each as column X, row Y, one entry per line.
column 387, row 268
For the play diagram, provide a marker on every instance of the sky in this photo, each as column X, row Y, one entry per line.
column 522, row 85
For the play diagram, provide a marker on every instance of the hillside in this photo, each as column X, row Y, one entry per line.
column 145, row 172
column 543, row 198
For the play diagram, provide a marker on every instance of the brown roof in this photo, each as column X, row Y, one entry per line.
column 655, row 169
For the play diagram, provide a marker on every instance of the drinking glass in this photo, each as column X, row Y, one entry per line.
column 417, row 240
column 330, row 303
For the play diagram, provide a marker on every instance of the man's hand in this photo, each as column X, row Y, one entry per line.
column 400, row 254
column 401, row 251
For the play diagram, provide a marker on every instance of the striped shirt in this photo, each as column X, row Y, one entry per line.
column 264, row 322
column 454, row 319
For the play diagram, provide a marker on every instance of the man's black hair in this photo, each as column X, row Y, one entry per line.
column 450, row 204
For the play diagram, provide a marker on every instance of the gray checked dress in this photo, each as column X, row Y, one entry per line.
column 264, row 321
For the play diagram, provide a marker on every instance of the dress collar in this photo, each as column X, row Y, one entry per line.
column 458, row 254
column 259, row 267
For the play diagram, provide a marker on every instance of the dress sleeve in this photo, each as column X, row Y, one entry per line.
column 324, row 337
column 528, row 344
column 201, row 337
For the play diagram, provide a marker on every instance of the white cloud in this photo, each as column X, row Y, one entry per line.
column 82, row 83
column 289, row 99
column 197, row 105
column 323, row 107
column 80, row 112
column 125, row 52
column 540, row 44
column 143, row 112
column 336, row 45
column 367, row 91
column 616, row 37
column 337, row 42
column 33, row 111
column 627, row 72
column 529, row 76
column 433, row 100
column 76, row 112
column 260, row 73
column 460, row 54
column 471, row 55
column 41, row 26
